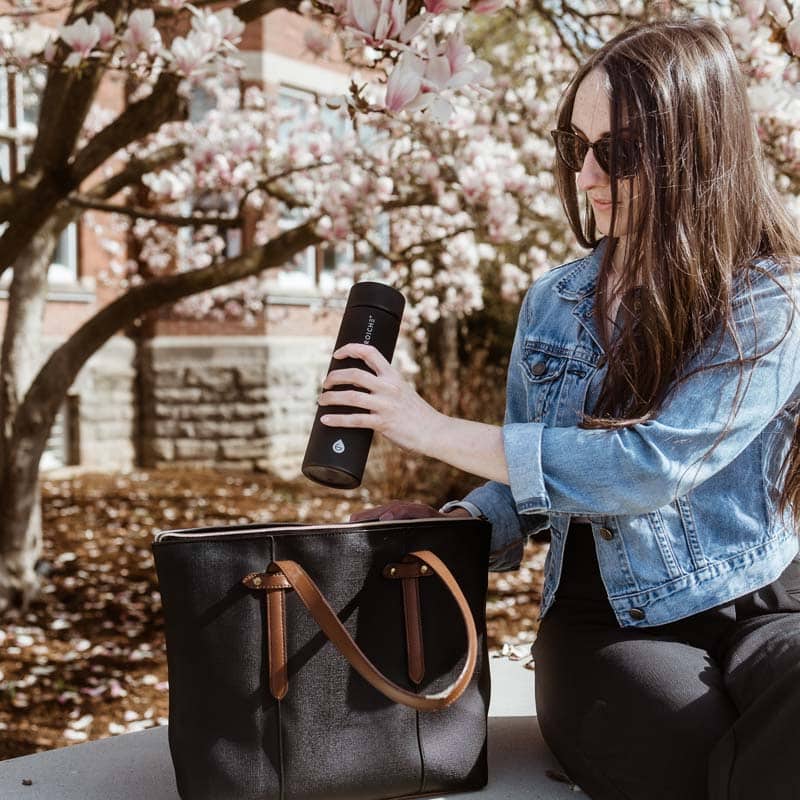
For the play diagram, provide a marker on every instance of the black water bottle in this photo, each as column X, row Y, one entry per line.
column 336, row 456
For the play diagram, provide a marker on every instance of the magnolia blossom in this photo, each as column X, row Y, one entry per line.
column 191, row 55
column 221, row 26
column 793, row 36
column 81, row 37
column 487, row 6
column 316, row 40
column 405, row 82
column 449, row 67
column 22, row 46
column 752, row 8
column 376, row 20
column 141, row 35
column 778, row 10
column 444, row 6
column 105, row 27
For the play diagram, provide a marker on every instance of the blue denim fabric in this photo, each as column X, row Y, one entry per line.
column 674, row 534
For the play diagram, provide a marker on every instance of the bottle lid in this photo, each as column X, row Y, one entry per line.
column 377, row 295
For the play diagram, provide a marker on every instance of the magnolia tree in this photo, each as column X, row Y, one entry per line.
column 442, row 139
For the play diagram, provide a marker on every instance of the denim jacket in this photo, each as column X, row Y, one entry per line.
column 674, row 534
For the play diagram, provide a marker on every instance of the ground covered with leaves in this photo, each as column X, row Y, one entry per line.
column 87, row 659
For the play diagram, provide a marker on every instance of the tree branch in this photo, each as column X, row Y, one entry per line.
column 134, row 169
column 253, row 9
column 406, row 252
column 7, row 200
column 83, row 201
column 138, row 120
column 67, row 98
column 47, row 391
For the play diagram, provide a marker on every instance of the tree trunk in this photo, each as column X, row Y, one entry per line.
column 446, row 356
column 28, row 408
column 20, row 510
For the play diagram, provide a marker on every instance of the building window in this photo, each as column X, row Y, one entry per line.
column 210, row 203
column 20, row 96
column 312, row 268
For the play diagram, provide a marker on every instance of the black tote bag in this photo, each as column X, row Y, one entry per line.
column 296, row 652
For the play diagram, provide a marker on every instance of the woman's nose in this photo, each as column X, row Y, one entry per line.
column 591, row 173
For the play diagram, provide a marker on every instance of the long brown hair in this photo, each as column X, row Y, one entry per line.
column 705, row 209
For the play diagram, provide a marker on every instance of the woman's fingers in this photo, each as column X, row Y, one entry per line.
column 348, row 397
column 352, row 376
column 397, row 509
column 348, row 420
column 367, row 514
column 371, row 356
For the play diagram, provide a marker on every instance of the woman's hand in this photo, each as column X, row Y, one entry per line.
column 394, row 407
column 404, row 509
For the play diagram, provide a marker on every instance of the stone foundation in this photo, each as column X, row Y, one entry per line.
column 95, row 425
column 242, row 402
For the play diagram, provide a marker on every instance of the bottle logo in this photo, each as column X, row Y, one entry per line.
column 338, row 446
column 370, row 328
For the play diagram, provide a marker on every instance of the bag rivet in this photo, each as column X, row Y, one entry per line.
column 257, row 581
column 393, row 571
column 423, row 569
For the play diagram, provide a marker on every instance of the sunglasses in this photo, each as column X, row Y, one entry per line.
column 572, row 150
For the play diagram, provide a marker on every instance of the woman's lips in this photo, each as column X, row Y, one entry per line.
column 600, row 204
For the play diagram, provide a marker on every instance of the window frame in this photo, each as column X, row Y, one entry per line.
column 15, row 143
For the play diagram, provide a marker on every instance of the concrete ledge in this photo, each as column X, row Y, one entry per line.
column 137, row 766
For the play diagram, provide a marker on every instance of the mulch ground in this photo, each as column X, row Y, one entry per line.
column 87, row 660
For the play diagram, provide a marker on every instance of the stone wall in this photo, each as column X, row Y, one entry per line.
column 95, row 427
column 242, row 402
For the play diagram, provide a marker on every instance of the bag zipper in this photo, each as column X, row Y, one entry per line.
column 206, row 534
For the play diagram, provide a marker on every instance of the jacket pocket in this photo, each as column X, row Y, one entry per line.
column 543, row 370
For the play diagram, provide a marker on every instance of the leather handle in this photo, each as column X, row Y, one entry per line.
column 331, row 626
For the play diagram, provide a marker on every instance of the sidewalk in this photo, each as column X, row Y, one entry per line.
column 137, row 766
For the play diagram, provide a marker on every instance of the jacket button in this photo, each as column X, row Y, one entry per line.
column 607, row 534
column 539, row 368
column 637, row 614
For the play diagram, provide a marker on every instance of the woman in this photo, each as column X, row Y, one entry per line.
column 651, row 423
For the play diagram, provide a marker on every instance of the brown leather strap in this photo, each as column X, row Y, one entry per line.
column 327, row 620
column 273, row 584
column 413, row 620
column 276, row 644
column 266, row 581
column 407, row 570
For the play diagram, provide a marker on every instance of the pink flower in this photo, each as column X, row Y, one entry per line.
column 81, row 37
column 223, row 25
column 752, row 8
column 444, row 6
column 190, row 55
column 414, row 26
column 778, row 10
column 487, row 6
column 454, row 68
column 316, row 41
column 793, row 36
column 404, row 83
column 105, row 26
column 376, row 20
column 141, row 35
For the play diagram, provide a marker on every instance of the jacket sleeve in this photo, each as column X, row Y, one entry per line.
column 495, row 499
column 643, row 467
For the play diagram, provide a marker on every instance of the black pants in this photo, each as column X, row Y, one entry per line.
column 705, row 707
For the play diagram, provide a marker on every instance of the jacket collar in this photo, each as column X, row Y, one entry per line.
column 580, row 278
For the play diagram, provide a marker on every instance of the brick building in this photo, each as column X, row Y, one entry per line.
column 189, row 392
